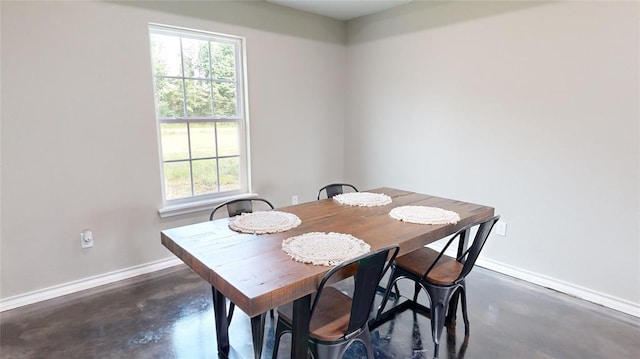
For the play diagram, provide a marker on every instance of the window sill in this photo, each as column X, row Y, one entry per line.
column 192, row 207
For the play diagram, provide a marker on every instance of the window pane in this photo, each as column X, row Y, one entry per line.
column 225, row 99
column 228, row 139
column 165, row 55
column 169, row 97
column 223, row 61
column 205, row 179
column 177, row 180
column 198, row 107
column 196, row 58
column 229, row 173
column 198, row 98
column 203, row 140
column 175, row 141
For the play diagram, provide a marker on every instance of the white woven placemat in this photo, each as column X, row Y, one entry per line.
column 363, row 199
column 325, row 249
column 261, row 222
column 424, row 215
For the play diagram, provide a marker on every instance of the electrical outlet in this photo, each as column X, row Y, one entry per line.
column 294, row 199
column 86, row 239
column 501, row 228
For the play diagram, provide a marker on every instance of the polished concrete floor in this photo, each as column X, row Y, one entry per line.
column 168, row 314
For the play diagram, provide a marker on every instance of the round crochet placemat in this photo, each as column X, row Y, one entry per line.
column 363, row 199
column 424, row 215
column 264, row 222
column 325, row 249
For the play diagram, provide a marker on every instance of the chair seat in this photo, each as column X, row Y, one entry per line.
column 332, row 315
column 415, row 262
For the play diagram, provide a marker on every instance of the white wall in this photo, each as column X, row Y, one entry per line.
column 79, row 147
column 529, row 107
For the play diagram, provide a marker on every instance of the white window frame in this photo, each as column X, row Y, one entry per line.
column 200, row 202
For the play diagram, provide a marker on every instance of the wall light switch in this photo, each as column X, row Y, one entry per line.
column 501, row 228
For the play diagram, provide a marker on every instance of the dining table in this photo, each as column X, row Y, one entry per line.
column 256, row 275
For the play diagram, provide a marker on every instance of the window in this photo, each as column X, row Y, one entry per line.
column 199, row 100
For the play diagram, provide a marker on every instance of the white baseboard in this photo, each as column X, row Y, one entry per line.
column 606, row 300
column 589, row 295
column 86, row 283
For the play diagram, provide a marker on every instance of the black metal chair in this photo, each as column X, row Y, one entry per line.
column 338, row 319
column 335, row 189
column 236, row 207
column 239, row 206
column 443, row 278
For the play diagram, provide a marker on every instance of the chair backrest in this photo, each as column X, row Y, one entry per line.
column 335, row 189
column 367, row 271
column 238, row 206
column 469, row 255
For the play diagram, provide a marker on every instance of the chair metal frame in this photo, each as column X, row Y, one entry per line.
column 239, row 206
column 367, row 270
column 335, row 189
column 443, row 297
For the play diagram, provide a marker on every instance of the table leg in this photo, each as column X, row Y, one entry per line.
column 257, row 333
column 300, row 335
column 222, row 325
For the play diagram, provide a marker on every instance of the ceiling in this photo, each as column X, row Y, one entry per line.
column 341, row 9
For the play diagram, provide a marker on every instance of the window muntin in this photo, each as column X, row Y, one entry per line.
column 198, row 86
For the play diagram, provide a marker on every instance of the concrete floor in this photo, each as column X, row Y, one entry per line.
column 168, row 314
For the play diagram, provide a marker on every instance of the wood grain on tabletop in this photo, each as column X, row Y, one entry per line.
column 253, row 271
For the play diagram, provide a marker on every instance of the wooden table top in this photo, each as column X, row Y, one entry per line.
column 255, row 274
